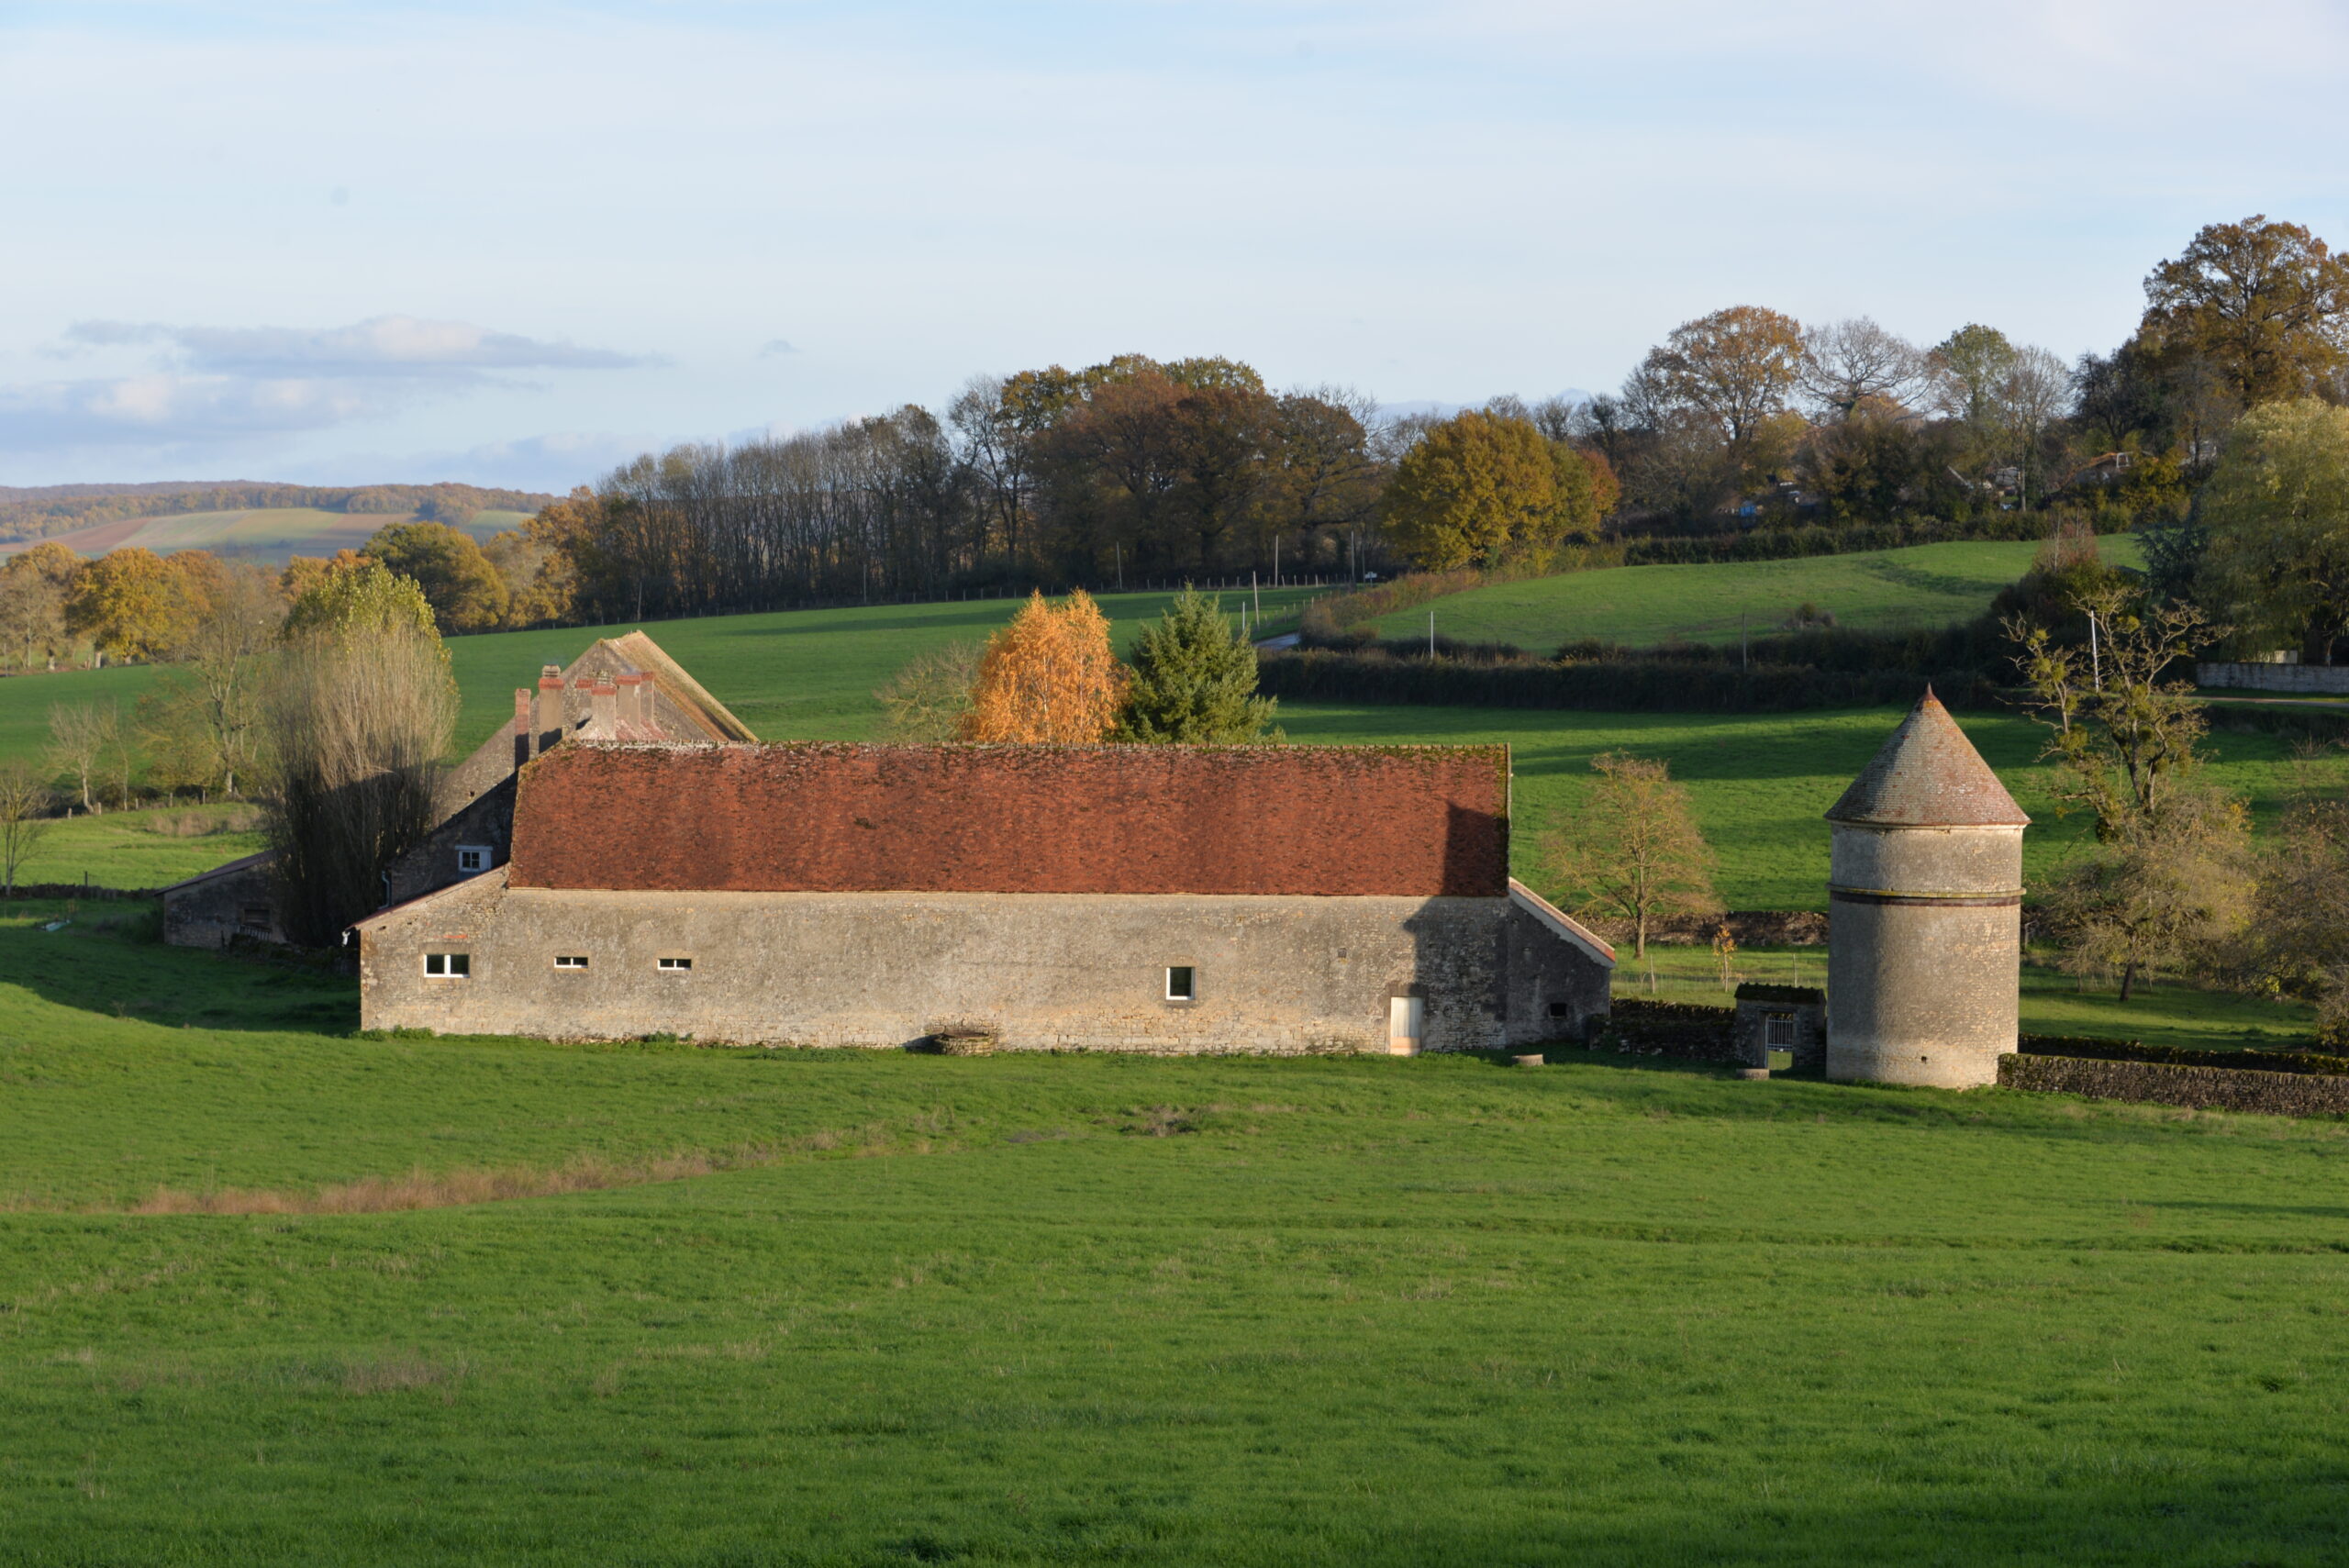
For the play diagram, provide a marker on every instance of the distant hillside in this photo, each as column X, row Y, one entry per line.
column 86, row 511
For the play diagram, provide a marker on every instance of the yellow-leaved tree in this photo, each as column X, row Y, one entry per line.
column 1048, row 677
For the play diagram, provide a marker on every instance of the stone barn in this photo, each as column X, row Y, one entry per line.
column 1155, row 898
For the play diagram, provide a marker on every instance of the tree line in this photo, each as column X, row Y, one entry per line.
column 32, row 513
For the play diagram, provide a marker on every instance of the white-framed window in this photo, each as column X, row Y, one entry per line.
column 472, row 857
column 570, row 960
column 673, row 965
column 1181, row 983
column 449, row 966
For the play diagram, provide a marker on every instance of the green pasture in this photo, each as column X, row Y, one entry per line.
column 1923, row 585
column 1080, row 1309
column 148, row 847
column 2053, row 1002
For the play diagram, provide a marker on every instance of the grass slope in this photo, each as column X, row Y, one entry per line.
column 1088, row 1309
column 1924, row 585
column 268, row 534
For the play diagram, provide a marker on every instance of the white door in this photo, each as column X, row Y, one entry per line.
column 1405, row 1017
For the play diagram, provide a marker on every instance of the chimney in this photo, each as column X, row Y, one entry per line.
column 636, row 699
column 603, row 710
column 549, row 722
column 524, row 741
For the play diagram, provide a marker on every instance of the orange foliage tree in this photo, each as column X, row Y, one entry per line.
column 1048, row 677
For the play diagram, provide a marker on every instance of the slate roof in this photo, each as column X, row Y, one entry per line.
column 1928, row 776
column 1416, row 821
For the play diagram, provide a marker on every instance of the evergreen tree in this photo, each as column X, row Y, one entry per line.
column 1193, row 680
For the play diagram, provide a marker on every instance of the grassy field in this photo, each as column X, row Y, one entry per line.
column 268, row 534
column 2053, row 1003
column 148, row 848
column 1925, row 585
column 1089, row 1309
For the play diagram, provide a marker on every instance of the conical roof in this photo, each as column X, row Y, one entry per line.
column 1928, row 776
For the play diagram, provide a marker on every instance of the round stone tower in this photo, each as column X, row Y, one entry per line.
column 1924, row 885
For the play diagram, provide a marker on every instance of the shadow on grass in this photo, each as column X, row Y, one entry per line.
column 108, row 973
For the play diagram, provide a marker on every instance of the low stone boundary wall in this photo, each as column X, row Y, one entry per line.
column 1686, row 1030
column 2195, row 1088
column 79, row 890
column 2331, row 678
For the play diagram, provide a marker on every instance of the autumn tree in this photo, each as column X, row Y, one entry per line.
column 2163, row 892
column 357, row 712
column 1194, row 680
column 2300, row 926
column 1474, row 487
column 464, row 590
column 203, row 712
column 129, row 602
column 1732, row 373
column 1049, row 677
column 2264, row 304
column 33, row 589
column 1632, row 852
column 2276, row 515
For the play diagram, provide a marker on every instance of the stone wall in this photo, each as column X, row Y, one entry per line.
column 2197, row 1088
column 2330, row 678
column 1079, row 970
column 1803, row 1007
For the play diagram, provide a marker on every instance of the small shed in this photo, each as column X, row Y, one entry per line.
column 1781, row 1018
column 215, row 907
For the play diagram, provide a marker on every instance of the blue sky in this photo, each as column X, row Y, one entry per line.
column 512, row 243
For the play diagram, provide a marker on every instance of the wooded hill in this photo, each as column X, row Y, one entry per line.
column 40, row 511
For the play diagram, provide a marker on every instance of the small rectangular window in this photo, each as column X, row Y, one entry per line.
column 1780, row 1030
column 256, row 918
column 578, row 962
column 1182, row 983
column 673, row 963
column 1560, row 1010
column 472, row 857
column 449, row 966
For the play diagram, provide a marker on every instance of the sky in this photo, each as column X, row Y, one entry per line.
column 514, row 244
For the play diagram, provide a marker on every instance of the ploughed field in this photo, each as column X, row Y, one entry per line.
column 266, row 534
column 1760, row 780
column 846, row 1307
column 1879, row 590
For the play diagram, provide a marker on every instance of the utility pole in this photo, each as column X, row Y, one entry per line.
column 1430, row 634
column 2096, row 664
column 1256, row 593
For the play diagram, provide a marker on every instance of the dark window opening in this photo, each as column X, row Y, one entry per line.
column 1182, row 983
column 256, row 918
column 563, row 962
column 1562, row 1010
column 673, row 965
column 449, row 966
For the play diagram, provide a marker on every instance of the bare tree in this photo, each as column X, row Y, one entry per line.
column 1845, row 363
column 223, row 652
column 26, row 802
column 1633, row 852
column 2033, row 395
column 356, row 729
column 78, row 738
column 927, row 696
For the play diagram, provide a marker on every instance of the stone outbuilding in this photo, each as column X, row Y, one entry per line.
column 228, row 904
column 1925, row 893
column 1158, row 898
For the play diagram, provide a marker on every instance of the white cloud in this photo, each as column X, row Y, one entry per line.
column 385, row 346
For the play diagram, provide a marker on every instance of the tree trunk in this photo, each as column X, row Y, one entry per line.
column 2127, row 978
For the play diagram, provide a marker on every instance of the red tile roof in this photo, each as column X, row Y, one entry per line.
column 1412, row 821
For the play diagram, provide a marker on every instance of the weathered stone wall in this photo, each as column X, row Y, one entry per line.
column 1923, row 972
column 2274, row 677
column 1079, row 970
column 487, row 822
column 1804, row 1006
column 2200, row 1088
column 207, row 913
